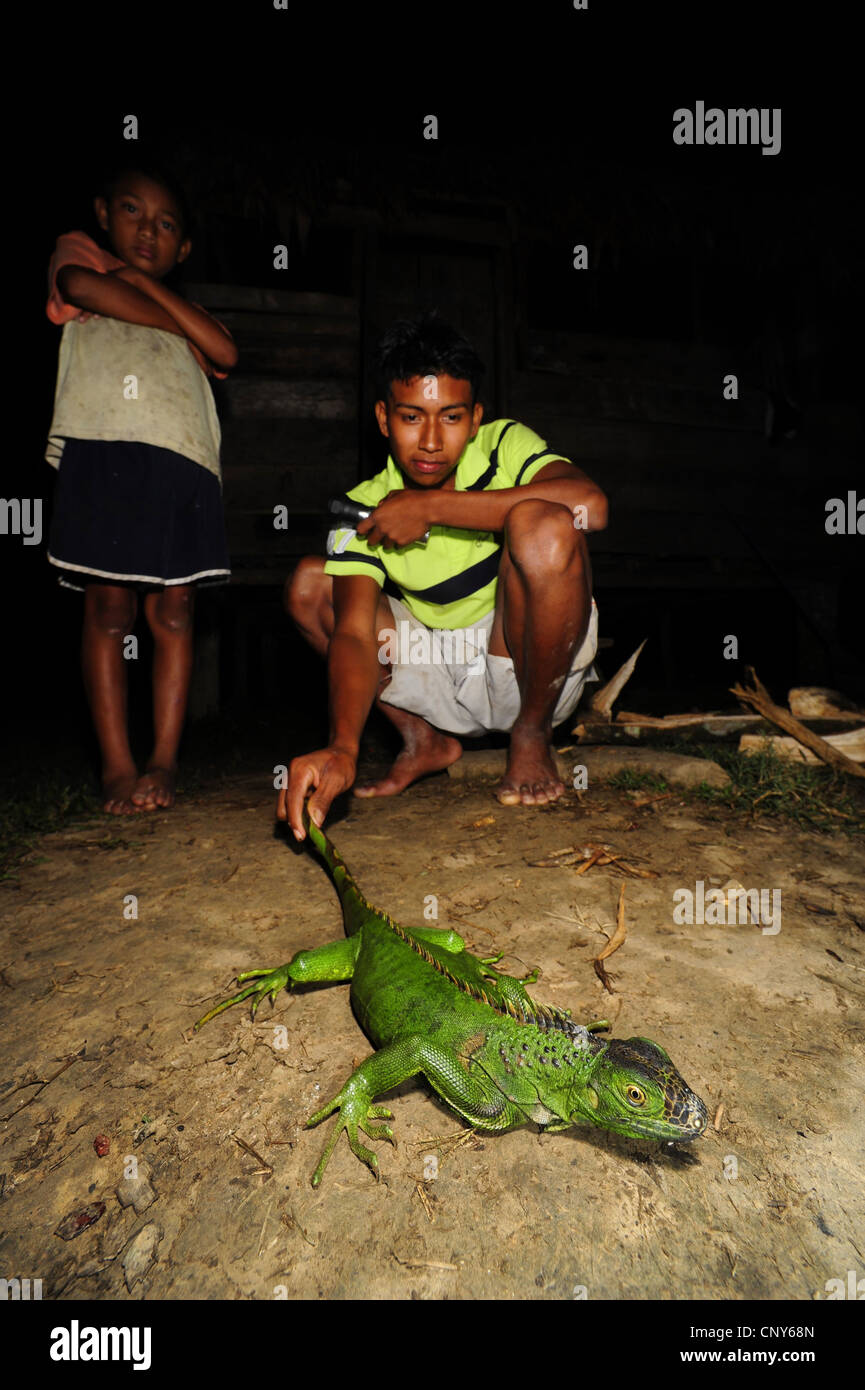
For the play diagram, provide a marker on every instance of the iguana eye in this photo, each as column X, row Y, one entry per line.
column 635, row 1095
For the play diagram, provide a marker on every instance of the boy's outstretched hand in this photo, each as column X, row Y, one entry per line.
column 330, row 771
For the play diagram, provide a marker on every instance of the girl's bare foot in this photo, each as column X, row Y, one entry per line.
column 428, row 752
column 531, row 777
column 154, row 790
column 117, row 789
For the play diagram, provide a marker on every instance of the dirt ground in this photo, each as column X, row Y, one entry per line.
column 97, row 1004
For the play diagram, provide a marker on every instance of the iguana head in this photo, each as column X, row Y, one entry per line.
column 634, row 1089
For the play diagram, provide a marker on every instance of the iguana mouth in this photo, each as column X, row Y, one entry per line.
column 686, row 1135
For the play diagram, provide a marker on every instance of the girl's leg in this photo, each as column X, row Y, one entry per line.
column 169, row 615
column 109, row 616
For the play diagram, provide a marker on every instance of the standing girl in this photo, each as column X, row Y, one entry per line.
column 135, row 435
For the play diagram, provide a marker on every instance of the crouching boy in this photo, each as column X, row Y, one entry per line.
column 463, row 603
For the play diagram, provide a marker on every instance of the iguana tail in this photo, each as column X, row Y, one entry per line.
column 355, row 908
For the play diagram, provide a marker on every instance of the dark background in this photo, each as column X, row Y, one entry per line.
column 702, row 262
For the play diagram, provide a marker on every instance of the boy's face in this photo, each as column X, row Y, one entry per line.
column 428, row 421
column 143, row 224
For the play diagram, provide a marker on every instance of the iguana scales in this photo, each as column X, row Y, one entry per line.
column 495, row 1055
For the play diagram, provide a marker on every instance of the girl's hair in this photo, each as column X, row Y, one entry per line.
column 425, row 346
column 157, row 172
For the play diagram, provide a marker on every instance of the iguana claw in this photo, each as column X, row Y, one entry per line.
column 268, row 982
column 355, row 1113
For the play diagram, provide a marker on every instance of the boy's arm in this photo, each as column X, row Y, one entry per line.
column 114, row 297
column 353, row 676
column 195, row 325
column 404, row 516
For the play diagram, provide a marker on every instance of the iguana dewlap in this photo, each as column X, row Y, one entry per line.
column 495, row 1055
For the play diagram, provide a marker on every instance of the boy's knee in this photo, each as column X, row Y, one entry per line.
column 544, row 535
column 305, row 588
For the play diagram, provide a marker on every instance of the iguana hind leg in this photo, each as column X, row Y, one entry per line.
column 335, row 961
column 446, row 937
column 477, row 1100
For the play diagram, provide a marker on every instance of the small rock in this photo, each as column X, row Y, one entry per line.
column 602, row 763
column 135, row 1192
column 675, row 768
column 816, row 702
column 140, row 1253
column 458, row 861
column 78, row 1221
column 679, row 822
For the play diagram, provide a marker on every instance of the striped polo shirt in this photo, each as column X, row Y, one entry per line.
column 451, row 581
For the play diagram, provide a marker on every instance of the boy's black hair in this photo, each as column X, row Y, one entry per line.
column 157, row 172
column 425, row 346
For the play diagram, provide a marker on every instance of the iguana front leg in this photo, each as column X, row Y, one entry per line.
column 335, row 961
column 478, row 1100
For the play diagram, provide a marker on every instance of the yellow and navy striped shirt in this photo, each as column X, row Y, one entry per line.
column 451, row 581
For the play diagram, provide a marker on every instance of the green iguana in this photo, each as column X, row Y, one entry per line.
column 496, row 1056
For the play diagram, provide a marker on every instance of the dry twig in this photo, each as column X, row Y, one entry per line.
column 41, row 1084
column 422, row 1264
column 247, row 1148
column 758, row 698
column 612, row 945
column 425, row 1202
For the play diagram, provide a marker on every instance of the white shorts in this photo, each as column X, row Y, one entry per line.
column 448, row 677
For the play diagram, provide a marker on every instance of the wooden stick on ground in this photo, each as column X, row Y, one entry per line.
column 851, row 744
column 612, row 945
column 759, row 699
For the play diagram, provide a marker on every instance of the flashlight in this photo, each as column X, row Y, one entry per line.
column 355, row 511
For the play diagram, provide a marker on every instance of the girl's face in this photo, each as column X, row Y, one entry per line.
column 143, row 225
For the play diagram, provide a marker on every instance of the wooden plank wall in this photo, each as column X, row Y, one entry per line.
column 289, row 420
column 683, row 467
column 647, row 420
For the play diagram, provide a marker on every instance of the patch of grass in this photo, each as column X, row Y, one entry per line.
column 762, row 784
column 815, row 798
column 629, row 780
column 35, row 802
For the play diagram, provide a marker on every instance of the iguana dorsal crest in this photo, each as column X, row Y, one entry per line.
column 527, row 1011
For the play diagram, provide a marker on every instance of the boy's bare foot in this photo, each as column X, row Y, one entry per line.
column 154, row 790
column 117, row 789
column 531, row 777
column 423, row 753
